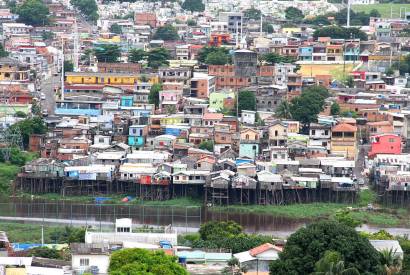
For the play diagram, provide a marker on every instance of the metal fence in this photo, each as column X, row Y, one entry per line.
column 102, row 215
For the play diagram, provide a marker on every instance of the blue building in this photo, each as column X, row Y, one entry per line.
column 305, row 53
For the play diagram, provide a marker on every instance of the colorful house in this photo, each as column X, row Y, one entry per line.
column 385, row 144
column 343, row 141
column 218, row 100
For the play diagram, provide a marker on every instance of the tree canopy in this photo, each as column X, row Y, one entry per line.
column 294, row 14
column 115, row 28
column 136, row 55
column 153, row 96
column 246, row 101
column 308, row 105
column 308, row 245
column 87, row 7
column 158, row 57
column 337, row 32
column 33, row 12
column 28, row 127
column 144, row 262
column 214, row 55
column 253, row 13
column 3, row 52
column 273, row 58
column 193, row 5
column 207, row 145
column 107, row 53
column 167, row 33
column 68, row 66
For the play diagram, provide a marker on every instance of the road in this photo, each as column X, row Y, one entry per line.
column 47, row 87
column 359, row 165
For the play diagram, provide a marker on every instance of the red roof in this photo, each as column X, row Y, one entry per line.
column 213, row 116
column 262, row 248
column 344, row 127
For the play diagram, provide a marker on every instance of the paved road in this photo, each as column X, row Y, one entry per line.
column 47, row 87
column 359, row 166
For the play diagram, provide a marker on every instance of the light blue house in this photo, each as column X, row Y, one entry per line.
column 127, row 101
column 305, row 53
column 249, row 150
column 136, row 135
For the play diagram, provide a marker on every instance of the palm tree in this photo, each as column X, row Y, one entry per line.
column 331, row 264
column 391, row 261
column 283, row 110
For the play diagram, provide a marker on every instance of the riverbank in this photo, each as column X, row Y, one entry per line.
column 376, row 215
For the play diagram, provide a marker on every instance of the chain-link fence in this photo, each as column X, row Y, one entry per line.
column 186, row 218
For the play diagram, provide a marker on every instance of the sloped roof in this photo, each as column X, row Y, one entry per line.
column 344, row 127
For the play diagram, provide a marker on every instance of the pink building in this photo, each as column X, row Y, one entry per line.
column 385, row 144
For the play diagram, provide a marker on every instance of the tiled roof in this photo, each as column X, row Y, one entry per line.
column 344, row 127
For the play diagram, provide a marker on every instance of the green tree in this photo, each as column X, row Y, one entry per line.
column 191, row 22
column 47, row 35
column 166, row 33
column 158, row 57
column 217, row 58
column 140, row 261
column 68, row 235
column 87, row 7
column 44, row 252
column 294, row 14
column 216, row 230
column 273, row 58
column 153, row 96
column 246, row 101
column 332, row 264
column 344, row 217
column 318, row 20
column 20, row 114
column 337, row 32
column 107, row 53
column 207, row 145
column 374, row 13
column 306, row 107
column 253, row 13
column 115, row 28
column 234, row 268
column 283, row 110
column 267, row 27
column 136, row 55
column 308, row 245
column 334, row 109
column 33, row 12
column 390, row 71
column 206, row 51
column 28, row 127
column 68, row 66
column 349, row 81
column 3, row 52
column 193, row 5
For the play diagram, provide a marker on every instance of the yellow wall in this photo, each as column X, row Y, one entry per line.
column 115, row 79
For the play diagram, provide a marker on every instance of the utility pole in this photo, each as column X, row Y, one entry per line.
column 261, row 25
column 348, row 14
column 62, row 68
column 76, row 46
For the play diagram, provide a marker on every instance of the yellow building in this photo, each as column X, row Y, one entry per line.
column 291, row 30
column 343, row 140
column 13, row 70
column 93, row 78
column 172, row 120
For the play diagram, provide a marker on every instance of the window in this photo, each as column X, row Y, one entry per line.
column 391, row 139
column 84, row 262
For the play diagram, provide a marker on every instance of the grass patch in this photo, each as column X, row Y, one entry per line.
column 22, row 232
column 376, row 218
column 366, row 196
column 113, row 199
column 384, row 9
column 297, row 211
column 8, row 173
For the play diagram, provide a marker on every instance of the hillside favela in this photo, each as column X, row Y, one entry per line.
column 204, row 137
